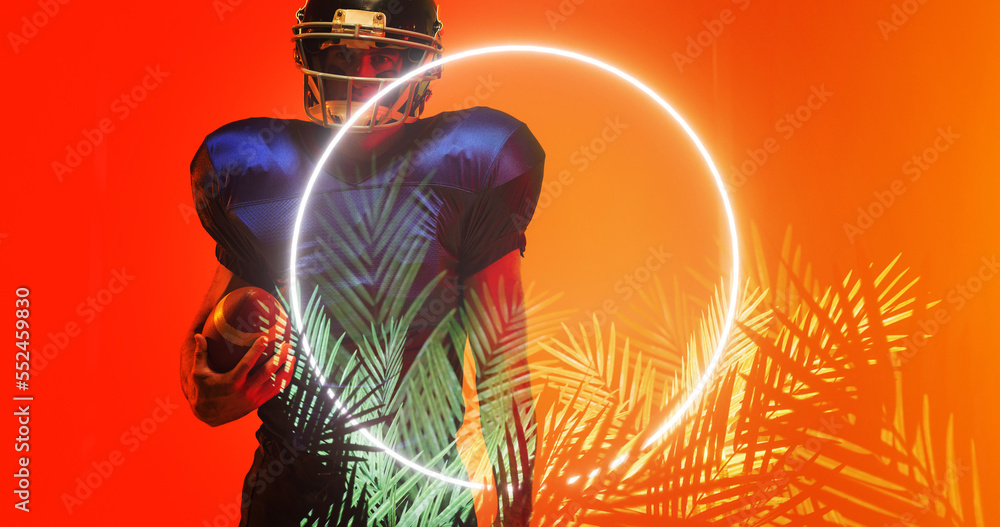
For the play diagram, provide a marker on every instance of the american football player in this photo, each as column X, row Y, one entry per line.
column 415, row 222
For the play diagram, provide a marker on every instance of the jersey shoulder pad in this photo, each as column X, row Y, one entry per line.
column 248, row 157
column 485, row 147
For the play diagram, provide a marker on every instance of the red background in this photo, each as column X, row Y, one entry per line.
column 127, row 205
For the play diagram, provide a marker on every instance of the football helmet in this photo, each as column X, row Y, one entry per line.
column 348, row 50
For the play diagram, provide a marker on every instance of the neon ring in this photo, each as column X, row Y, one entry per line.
column 681, row 410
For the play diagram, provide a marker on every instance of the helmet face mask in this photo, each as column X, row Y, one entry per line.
column 348, row 55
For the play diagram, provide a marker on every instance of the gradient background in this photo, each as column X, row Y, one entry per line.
column 127, row 206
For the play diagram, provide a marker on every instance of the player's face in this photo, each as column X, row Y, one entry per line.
column 381, row 63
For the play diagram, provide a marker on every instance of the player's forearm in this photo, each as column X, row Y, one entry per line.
column 505, row 389
column 496, row 323
column 516, row 455
column 186, row 367
column 498, row 425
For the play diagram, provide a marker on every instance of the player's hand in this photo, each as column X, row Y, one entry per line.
column 224, row 397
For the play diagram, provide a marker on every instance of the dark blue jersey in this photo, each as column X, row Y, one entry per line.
column 401, row 232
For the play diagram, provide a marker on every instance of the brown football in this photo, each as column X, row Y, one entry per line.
column 237, row 321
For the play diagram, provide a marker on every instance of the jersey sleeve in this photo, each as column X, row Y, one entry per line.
column 236, row 247
column 496, row 222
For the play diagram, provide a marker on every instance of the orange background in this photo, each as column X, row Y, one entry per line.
column 127, row 206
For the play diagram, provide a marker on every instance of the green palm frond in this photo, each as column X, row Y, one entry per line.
column 416, row 412
column 803, row 422
column 802, row 425
column 606, row 412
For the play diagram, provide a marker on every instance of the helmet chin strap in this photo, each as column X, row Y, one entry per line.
column 337, row 110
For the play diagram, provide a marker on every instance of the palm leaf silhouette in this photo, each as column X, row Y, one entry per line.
column 360, row 371
column 802, row 425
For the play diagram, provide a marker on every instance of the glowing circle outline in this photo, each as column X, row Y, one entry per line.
column 681, row 410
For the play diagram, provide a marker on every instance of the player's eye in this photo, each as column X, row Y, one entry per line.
column 381, row 61
column 384, row 65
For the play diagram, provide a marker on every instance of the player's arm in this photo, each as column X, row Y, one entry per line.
column 219, row 398
column 496, row 324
